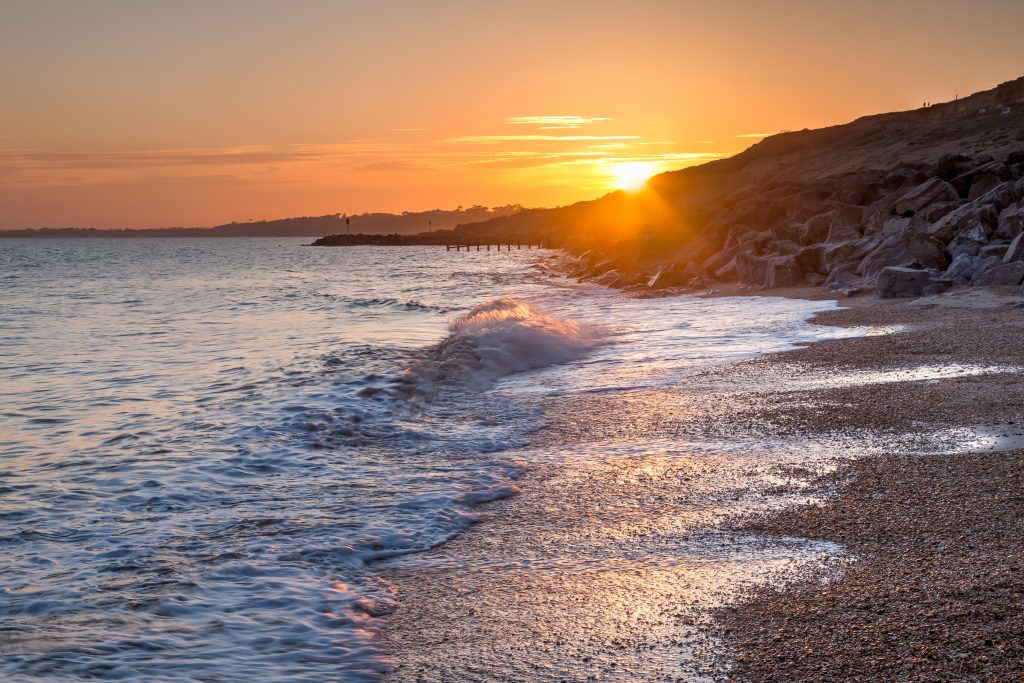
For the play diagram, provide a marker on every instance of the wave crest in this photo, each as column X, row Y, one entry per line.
column 498, row 338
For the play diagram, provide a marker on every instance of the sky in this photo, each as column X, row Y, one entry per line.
column 145, row 114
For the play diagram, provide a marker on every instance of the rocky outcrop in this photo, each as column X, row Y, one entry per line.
column 834, row 207
column 897, row 282
column 917, row 230
column 1001, row 275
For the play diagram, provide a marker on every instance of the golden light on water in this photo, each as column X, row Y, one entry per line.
column 632, row 176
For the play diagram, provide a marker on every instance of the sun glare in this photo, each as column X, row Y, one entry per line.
column 632, row 175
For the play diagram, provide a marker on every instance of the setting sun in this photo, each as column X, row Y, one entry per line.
column 632, row 175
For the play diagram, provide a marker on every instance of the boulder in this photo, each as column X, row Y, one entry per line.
column 970, row 241
column 908, row 251
column 934, row 212
column 981, row 184
column 930, row 192
column 878, row 213
column 993, row 249
column 842, row 233
column 1010, row 222
column 1000, row 196
column 1015, row 251
column 895, row 226
column 980, row 179
column 612, row 278
column 961, row 219
column 674, row 275
column 727, row 272
column 848, row 255
column 985, row 265
column 962, row 269
column 842, row 280
column 1003, row 274
column 767, row 271
column 896, row 282
column 718, row 259
column 812, row 260
column 950, row 166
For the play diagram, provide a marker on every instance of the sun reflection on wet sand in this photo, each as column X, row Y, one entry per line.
column 610, row 563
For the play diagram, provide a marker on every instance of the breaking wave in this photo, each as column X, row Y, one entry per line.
column 498, row 338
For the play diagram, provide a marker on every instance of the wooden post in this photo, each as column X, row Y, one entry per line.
column 488, row 246
column 447, row 247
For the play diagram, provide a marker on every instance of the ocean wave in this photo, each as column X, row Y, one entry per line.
column 498, row 338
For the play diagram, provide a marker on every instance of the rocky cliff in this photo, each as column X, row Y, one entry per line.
column 909, row 203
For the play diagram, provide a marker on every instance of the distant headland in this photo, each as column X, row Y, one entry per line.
column 405, row 223
column 907, row 203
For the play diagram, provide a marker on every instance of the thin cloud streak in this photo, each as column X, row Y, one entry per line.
column 556, row 122
column 491, row 139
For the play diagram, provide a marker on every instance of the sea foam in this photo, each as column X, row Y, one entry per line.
column 502, row 337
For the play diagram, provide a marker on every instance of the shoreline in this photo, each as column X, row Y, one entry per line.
column 454, row 621
column 935, row 590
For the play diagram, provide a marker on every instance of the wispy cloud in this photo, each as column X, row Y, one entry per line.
column 542, row 159
column 555, row 122
column 492, row 139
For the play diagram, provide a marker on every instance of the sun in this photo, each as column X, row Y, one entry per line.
column 632, row 176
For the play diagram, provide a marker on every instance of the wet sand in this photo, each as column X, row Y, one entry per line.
column 840, row 511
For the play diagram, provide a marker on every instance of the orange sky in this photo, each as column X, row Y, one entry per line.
column 144, row 113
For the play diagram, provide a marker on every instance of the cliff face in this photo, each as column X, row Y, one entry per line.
column 935, row 191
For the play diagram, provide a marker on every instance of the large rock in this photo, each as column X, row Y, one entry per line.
column 611, row 278
column 818, row 228
column 675, row 275
column 993, row 249
column 896, row 282
column 812, row 259
column 768, row 271
column 970, row 241
column 962, row 269
column 848, row 255
column 981, row 184
column 1015, row 251
column 842, row 233
column 1003, row 274
column 950, row 166
column 896, row 226
column 908, row 251
column 929, row 192
column 980, row 179
column 878, row 213
column 985, row 265
column 962, row 219
column 1010, row 222
column 719, row 259
column 1000, row 196
column 935, row 212
column 841, row 280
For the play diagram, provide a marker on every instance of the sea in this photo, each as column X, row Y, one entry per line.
column 208, row 446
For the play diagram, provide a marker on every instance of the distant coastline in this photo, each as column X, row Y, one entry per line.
column 406, row 223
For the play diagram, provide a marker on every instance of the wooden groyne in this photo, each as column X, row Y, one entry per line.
column 498, row 245
column 447, row 239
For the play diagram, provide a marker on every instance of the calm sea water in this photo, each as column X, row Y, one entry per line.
column 206, row 444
